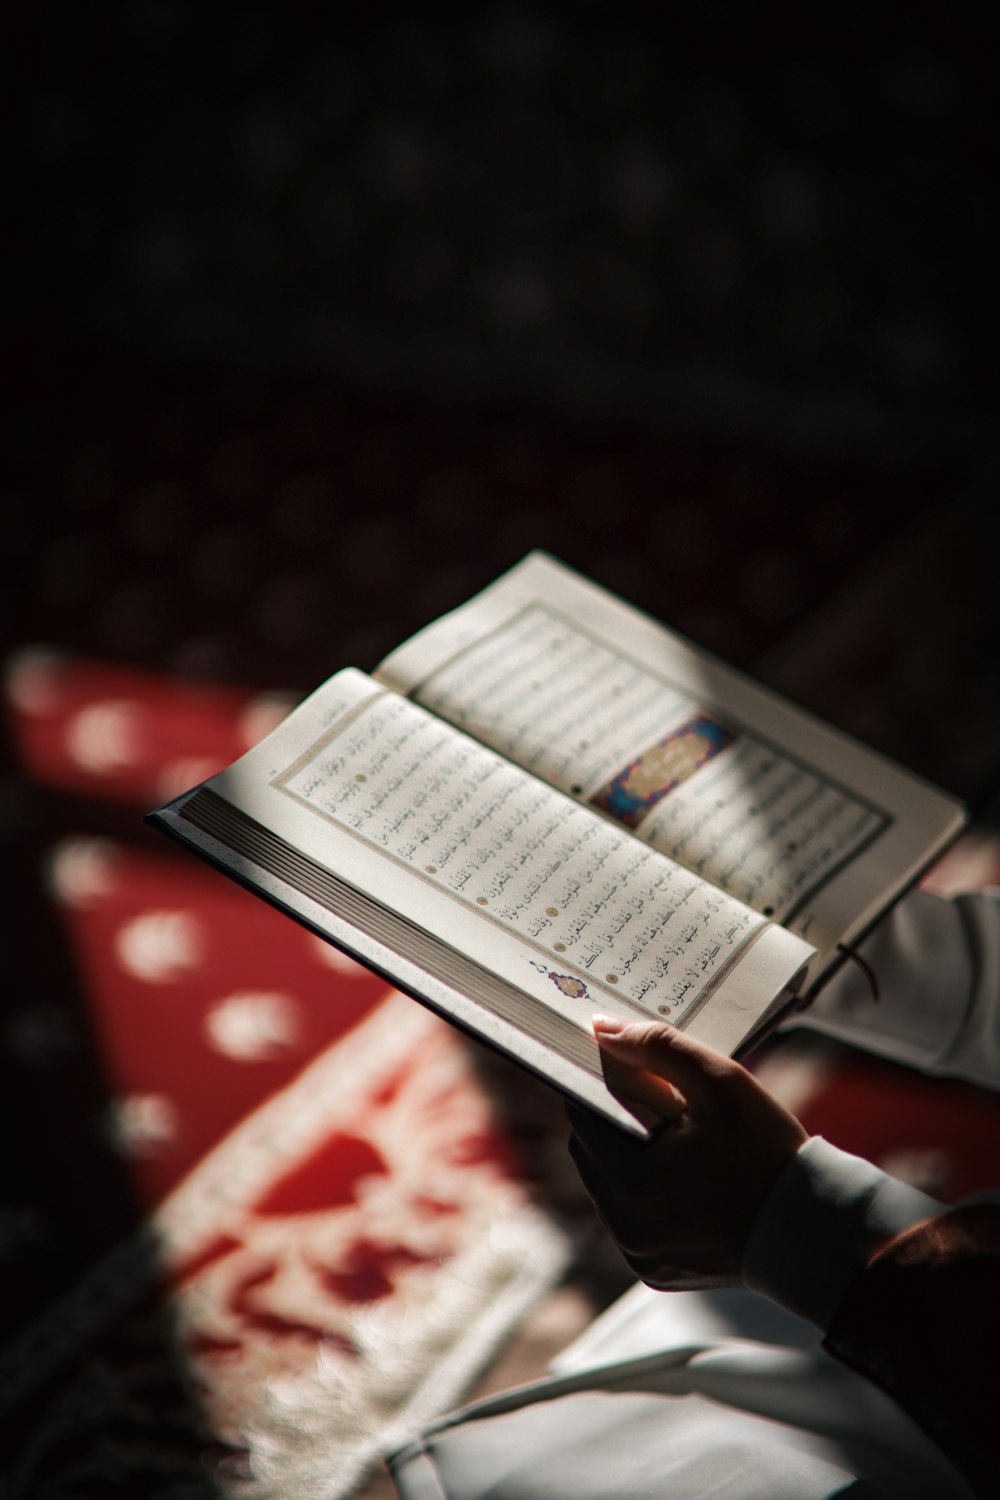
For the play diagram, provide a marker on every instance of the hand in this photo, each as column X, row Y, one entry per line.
column 680, row 1206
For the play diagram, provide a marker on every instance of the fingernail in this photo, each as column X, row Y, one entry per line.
column 608, row 1024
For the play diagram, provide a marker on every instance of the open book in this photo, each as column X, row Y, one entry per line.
column 546, row 805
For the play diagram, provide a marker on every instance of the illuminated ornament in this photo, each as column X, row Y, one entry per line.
column 637, row 789
column 567, row 984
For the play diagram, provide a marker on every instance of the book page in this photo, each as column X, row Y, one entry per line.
column 572, row 907
column 779, row 810
column 481, row 890
column 729, row 808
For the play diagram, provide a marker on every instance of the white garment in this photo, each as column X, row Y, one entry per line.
column 730, row 1417
column 634, row 1414
column 937, row 963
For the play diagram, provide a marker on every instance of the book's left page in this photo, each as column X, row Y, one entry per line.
column 478, row 888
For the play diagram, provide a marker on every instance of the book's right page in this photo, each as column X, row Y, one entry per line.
column 791, row 816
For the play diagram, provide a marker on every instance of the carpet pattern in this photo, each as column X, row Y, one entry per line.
column 336, row 1271
column 336, row 1230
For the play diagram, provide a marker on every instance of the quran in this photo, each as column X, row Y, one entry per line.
column 545, row 805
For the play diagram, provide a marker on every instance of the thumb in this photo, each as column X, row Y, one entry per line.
column 658, row 1048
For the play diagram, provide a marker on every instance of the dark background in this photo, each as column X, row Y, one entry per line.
column 318, row 317
column 780, row 223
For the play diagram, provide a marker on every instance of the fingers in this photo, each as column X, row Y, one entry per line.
column 655, row 1047
column 659, row 1100
column 615, row 1182
column 605, row 1156
column 605, row 1140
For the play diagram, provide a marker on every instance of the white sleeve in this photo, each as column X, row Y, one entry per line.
column 818, row 1225
column 937, row 963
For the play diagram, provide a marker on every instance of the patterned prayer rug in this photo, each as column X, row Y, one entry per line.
column 335, row 1236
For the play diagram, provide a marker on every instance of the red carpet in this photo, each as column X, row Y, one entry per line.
column 336, row 1229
